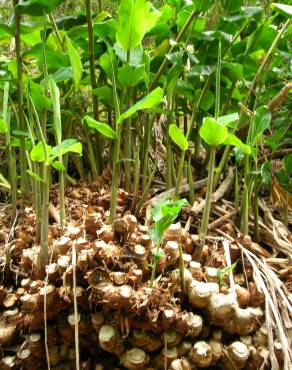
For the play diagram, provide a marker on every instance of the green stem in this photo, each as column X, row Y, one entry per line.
column 93, row 81
column 180, row 173
column 145, row 192
column 236, row 193
column 168, row 154
column 136, row 179
column 92, row 161
column 191, row 181
column 205, row 220
column 147, row 139
column 257, row 185
column 43, row 255
column 59, row 38
column 117, row 145
column 116, row 175
column 245, row 201
column 128, row 141
column 153, row 272
column 10, row 157
column 24, row 183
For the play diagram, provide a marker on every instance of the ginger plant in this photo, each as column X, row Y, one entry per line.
column 163, row 214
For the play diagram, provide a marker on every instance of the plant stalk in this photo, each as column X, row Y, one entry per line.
column 180, row 173
column 95, row 102
column 24, row 183
column 205, row 220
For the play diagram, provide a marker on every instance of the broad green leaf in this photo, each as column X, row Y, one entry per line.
column 235, row 141
column 288, row 164
column 265, row 172
column 4, row 183
column 149, row 101
column 201, row 70
column 129, row 77
column 37, row 7
column 135, row 19
column 255, row 12
column 3, row 126
column 35, row 176
column 75, row 62
column 101, row 127
column 212, row 132
column 40, row 100
column 58, row 166
column 135, row 55
column 167, row 207
column 202, row 5
column 231, row 6
column 275, row 139
column 260, row 122
column 178, row 137
column 283, row 9
column 207, row 100
column 55, row 60
column 68, row 145
column 38, row 153
column 55, row 96
column 234, row 71
column 229, row 118
column 105, row 94
column 262, row 38
column 106, row 29
column 163, row 214
column 63, row 74
column 109, row 64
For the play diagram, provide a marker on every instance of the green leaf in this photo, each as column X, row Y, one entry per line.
column 105, row 94
column 212, row 132
column 40, row 100
column 58, row 166
column 234, row 71
column 288, row 164
column 55, row 96
column 283, row 9
column 35, row 176
column 37, row 7
column 135, row 55
column 101, row 127
column 178, row 137
column 149, row 101
column 235, row 141
column 75, row 61
column 106, row 29
column 207, row 100
column 260, row 122
column 129, row 77
column 262, row 38
column 265, row 172
column 135, row 19
column 63, row 74
column 3, row 126
column 202, row 5
column 201, row 70
column 164, row 213
column 228, row 119
column 68, row 145
column 38, row 153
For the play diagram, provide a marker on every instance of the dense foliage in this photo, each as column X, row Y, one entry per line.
column 85, row 92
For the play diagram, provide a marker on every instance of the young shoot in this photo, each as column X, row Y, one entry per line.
column 163, row 214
